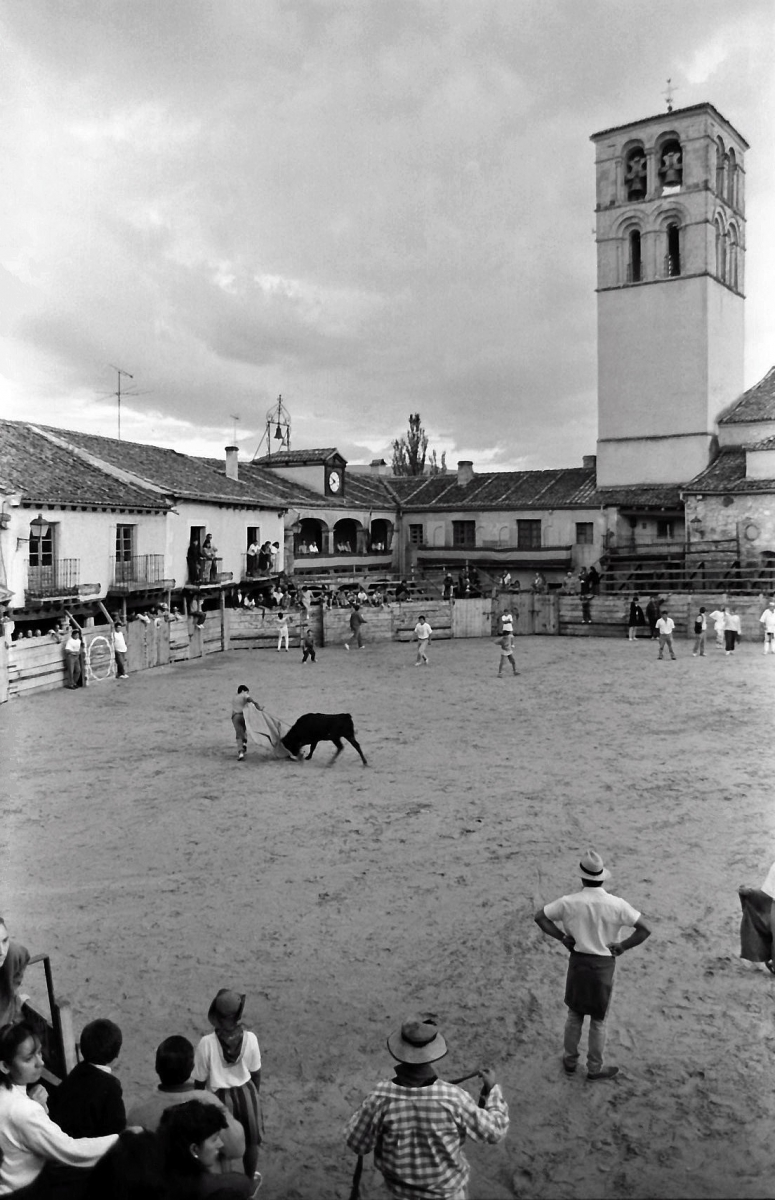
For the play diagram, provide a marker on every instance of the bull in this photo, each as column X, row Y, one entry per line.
column 321, row 727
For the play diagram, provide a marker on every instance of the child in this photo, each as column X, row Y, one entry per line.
column 308, row 646
column 283, row 622
column 228, row 1061
column 507, row 652
column 238, row 706
column 89, row 1103
column 119, row 649
column 28, row 1137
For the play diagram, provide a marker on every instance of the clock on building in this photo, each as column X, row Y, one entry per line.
column 334, row 482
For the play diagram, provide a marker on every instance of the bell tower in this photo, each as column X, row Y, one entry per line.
column 670, row 275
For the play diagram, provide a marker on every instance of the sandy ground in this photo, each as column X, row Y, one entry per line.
column 155, row 868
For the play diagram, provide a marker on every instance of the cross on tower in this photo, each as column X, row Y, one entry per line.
column 668, row 94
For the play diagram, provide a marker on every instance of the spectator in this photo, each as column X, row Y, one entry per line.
column 73, row 648
column 120, row 650
column 191, row 1136
column 700, row 626
column 28, row 1137
column 133, row 1169
column 732, row 630
column 665, row 626
column 593, row 580
column 449, row 586
column 416, row 1123
column 174, row 1067
column 194, row 561
column 89, row 1103
column 210, row 564
column 402, row 591
column 635, row 620
column 13, row 962
column 653, row 614
column 252, row 554
column 767, row 619
column 228, row 1061
column 719, row 619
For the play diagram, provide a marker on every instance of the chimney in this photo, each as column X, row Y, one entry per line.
column 378, row 466
column 465, row 472
column 232, row 463
column 589, row 461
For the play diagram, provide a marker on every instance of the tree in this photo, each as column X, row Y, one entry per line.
column 410, row 452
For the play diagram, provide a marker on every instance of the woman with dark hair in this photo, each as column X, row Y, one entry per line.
column 191, row 1139
column 28, row 1137
column 132, row 1170
column 13, row 961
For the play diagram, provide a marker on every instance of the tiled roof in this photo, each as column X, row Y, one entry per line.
column 564, row 487
column 47, row 474
column 757, row 404
column 641, row 496
column 360, row 491
column 675, row 113
column 767, row 443
column 298, row 458
column 179, row 475
column 727, row 474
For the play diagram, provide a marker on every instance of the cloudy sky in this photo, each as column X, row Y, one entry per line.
column 374, row 207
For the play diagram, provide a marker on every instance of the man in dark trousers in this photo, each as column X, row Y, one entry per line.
column 591, row 920
column 652, row 615
column 356, row 620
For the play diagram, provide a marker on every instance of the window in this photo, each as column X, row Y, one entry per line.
column 721, row 162
column 671, row 171
column 464, row 533
column 721, row 251
column 42, row 548
column 528, row 535
column 665, row 530
column 125, row 540
column 584, row 533
column 635, row 174
column 416, row 535
column 733, row 260
column 673, row 256
column 634, row 267
column 732, row 179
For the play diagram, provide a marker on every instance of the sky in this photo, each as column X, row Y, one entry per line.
column 371, row 207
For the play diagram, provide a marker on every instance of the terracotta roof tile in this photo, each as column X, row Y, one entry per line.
column 757, row 404
column 47, row 474
column 286, row 458
column 564, row 487
column 727, row 474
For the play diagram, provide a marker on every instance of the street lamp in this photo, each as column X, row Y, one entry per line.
column 39, row 528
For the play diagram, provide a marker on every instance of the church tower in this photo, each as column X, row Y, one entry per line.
column 670, row 277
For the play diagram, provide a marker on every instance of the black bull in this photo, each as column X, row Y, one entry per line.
column 321, row 727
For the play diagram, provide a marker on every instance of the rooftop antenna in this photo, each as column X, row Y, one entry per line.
column 278, row 429
column 235, row 419
column 668, row 94
column 117, row 393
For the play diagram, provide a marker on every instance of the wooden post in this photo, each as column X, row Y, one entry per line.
column 223, row 619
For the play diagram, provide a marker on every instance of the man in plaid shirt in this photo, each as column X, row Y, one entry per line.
column 416, row 1124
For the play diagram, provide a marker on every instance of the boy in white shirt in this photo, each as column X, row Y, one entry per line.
column 768, row 621
column 422, row 633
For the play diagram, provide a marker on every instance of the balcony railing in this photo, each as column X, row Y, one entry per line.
column 60, row 578
column 207, row 572
column 143, row 570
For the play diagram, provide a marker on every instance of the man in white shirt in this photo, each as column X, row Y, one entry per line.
column 768, row 621
column 591, row 920
column 119, row 649
column 422, row 633
column 719, row 617
column 665, row 627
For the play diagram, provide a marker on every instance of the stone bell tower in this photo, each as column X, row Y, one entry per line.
column 670, row 278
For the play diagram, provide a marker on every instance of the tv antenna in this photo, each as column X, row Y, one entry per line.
column 278, row 429
column 235, row 418
column 119, row 372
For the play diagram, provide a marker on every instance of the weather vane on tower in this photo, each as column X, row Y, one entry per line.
column 668, row 94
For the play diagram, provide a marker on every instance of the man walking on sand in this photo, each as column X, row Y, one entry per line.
column 591, row 920
column 422, row 633
column 356, row 620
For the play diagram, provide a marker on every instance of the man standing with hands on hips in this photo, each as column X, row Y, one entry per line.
column 591, row 920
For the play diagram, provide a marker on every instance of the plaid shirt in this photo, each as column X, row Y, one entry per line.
column 417, row 1134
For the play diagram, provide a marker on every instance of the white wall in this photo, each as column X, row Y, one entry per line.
column 228, row 527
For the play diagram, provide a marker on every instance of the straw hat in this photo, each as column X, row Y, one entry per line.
column 226, row 1008
column 592, row 867
column 418, row 1040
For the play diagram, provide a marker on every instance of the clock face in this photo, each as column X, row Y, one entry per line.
column 334, row 481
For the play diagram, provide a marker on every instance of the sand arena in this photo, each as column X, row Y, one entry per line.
column 155, row 868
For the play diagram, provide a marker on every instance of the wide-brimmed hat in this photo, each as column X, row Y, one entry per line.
column 592, row 868
column 418, row 1040
column 226, row 1008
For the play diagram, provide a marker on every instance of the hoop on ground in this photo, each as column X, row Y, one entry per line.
column 100, row 660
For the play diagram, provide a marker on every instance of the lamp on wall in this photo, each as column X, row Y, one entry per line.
column 39, row 528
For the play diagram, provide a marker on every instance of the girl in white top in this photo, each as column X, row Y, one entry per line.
column 228, row 1062
column 28, row 1137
